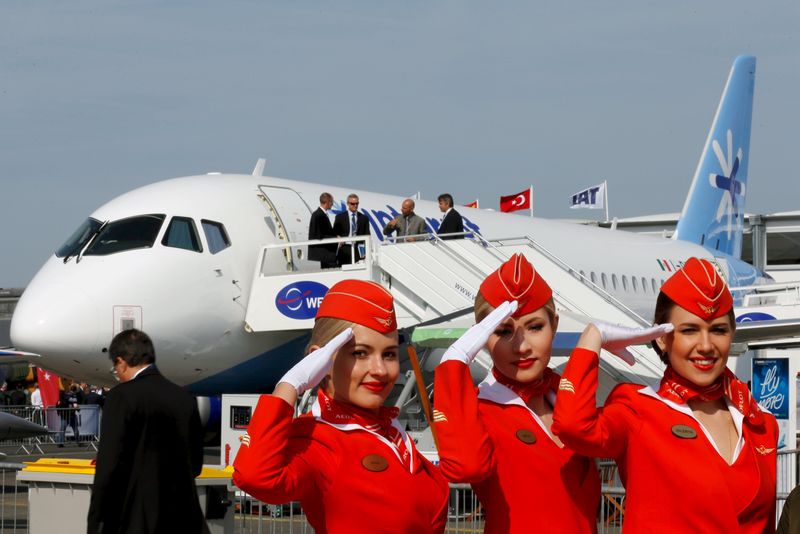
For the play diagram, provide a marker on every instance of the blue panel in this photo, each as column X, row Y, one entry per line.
column 256, row 375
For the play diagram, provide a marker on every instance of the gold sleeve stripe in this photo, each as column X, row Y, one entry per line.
column 566, row 385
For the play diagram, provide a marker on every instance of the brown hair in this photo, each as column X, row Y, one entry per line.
column 664, row 306
column 483, row 308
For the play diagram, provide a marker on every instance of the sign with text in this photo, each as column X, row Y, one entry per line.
column 771, row 385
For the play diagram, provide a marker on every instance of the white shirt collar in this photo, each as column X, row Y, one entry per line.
column 737, row 416
column 140, row 371
column 317, row 413
column 492, row 390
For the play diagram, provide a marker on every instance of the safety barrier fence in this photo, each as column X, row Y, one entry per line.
column 464, row 515
column 13, row 500
column 65, row 426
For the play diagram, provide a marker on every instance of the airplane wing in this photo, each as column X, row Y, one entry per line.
column 14, row 356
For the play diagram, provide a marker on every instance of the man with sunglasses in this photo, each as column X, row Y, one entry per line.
column 350, row 223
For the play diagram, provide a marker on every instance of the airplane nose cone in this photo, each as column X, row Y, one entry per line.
column 55, row 321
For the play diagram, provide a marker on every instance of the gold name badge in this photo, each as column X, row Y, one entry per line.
column 684, row 432
column 375, row 463
column 526, row 436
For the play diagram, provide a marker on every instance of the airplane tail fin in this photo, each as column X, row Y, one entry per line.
column 714, row 210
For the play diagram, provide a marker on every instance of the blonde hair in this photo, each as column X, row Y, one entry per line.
column 325, row 329
column 483, row 308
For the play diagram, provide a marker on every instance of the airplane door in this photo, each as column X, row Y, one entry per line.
column 289, row 214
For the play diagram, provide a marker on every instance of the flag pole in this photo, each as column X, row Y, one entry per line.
column 530, row 199
column 605, row 192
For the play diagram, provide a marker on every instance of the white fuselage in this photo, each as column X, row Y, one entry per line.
column 193, row 303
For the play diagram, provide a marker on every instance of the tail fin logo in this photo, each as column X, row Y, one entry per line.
column 731, row 188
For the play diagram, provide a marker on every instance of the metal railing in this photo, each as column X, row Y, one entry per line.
column 13, row 500
column 253, row 516
column 65, row 425
column 464, row 515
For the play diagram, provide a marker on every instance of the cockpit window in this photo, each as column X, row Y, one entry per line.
column 216, row 236
column 79, row 238
column 181, row 233
column 126, row 234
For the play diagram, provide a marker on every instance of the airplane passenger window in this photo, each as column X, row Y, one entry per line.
column 79, row 238
column 181, row 233
column 614, row 280
column 603, row 279
column 644, row 284
column 624, row 282
column 126, row 234
column 635, row 284
column 593, row 277
column 655, row 287
column 216, row 236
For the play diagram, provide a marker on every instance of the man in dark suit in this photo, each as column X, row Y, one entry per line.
column 451, row 220
column 350, row 223
column 319, row 227
column 151, row 448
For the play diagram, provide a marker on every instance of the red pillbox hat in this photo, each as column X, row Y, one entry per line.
column 698, row 287
column 516, row 280
column 362, row 302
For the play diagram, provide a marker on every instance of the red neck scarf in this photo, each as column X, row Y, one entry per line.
column 678, row 389
column 528, row 390
column 342, row 413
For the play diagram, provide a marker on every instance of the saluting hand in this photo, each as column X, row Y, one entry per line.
column 468, row 345
column 615, row 338
column 309, row 371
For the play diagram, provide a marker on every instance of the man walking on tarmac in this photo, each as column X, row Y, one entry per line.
column 150, row 451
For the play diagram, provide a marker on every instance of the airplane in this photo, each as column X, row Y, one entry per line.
column 14, row 427
column 176, row 258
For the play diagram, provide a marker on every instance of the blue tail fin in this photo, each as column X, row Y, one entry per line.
column 714, row 210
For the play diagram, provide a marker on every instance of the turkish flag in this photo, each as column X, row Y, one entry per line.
column 50, row 386
column 520, row 201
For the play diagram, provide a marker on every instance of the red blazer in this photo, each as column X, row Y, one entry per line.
column 525, row 482
column 346, row 481
column 675, row 479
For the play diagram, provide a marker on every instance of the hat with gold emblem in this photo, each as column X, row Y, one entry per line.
column 362, row 302
column 698, row 288
column 516, row 280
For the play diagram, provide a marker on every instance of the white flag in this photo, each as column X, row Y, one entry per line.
column 591, row 198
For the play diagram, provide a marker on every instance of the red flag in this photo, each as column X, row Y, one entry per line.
column 520, row 201
column 472, row 204
column 50, row 386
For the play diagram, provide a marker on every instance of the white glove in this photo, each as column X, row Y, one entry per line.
column 468, row 345
column 615, row 337
column 309, row 371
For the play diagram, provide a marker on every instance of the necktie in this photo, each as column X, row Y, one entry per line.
column 353, row 223
column 405, row 226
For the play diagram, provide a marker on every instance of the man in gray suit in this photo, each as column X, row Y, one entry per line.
column 406, row 225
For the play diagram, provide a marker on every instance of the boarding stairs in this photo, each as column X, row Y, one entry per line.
column 434, row 279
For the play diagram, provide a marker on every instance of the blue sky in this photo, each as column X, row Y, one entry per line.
column 479, row 99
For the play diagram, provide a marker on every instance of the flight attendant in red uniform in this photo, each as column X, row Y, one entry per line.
column 695, row 455
column 350, row 464
column 498, row 439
